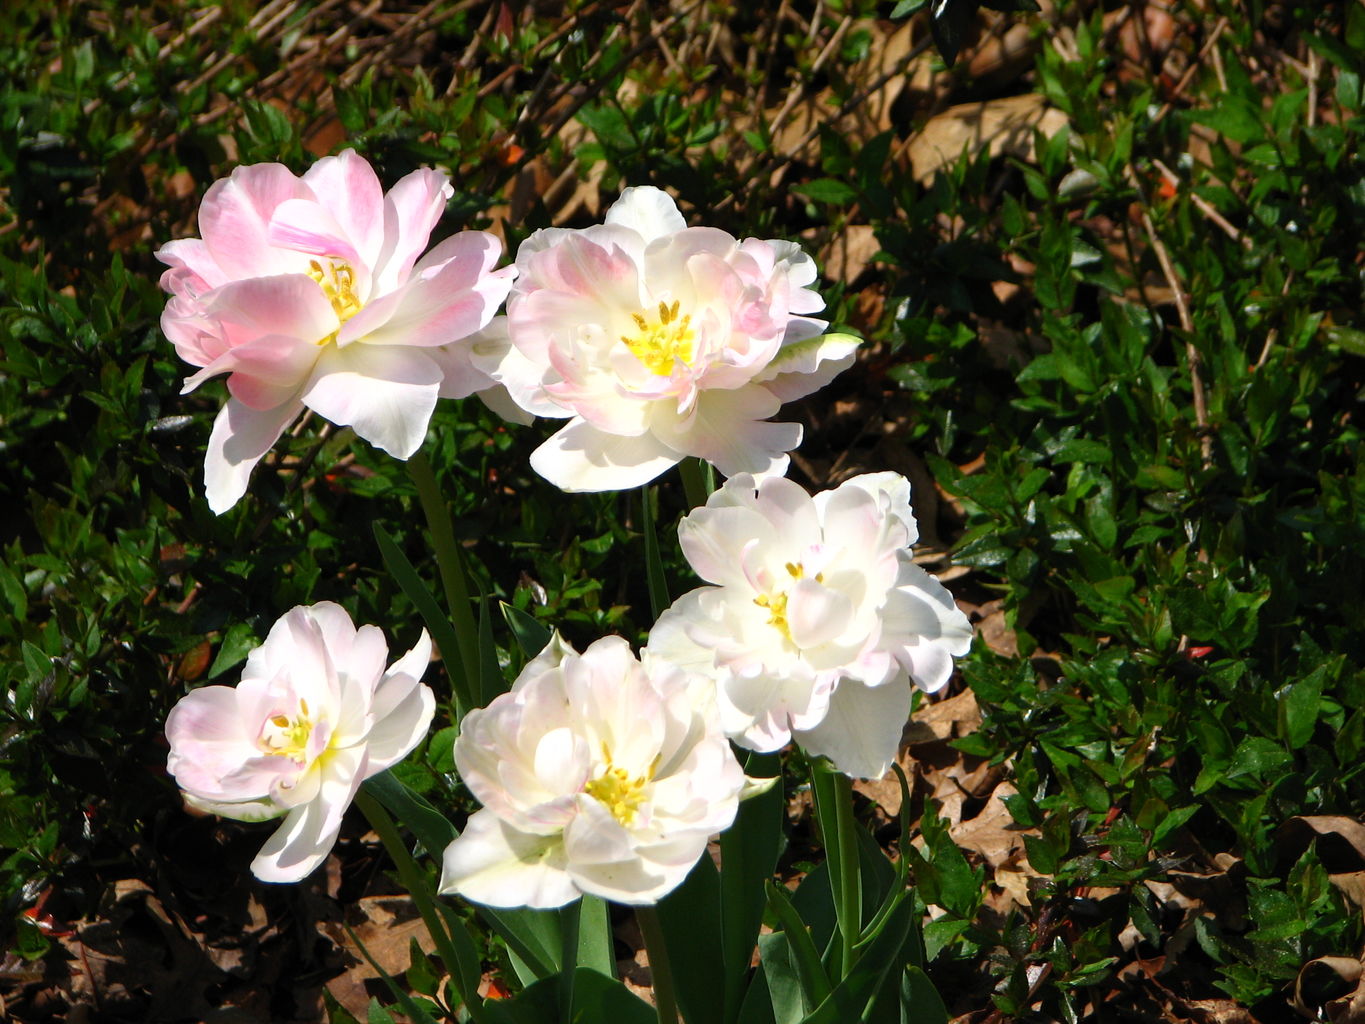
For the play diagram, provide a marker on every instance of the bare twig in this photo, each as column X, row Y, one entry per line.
column 1208, row 48
column 1205, row 207
column 1192, row 356
column 1274, row 332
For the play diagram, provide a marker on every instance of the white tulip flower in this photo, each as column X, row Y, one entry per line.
column 817, row 619
column 597, row 774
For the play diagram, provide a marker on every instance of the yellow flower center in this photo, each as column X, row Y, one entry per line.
column 776, row 602
column 664, row 342
column 615, row 790
column 337, row 281
column 283, row 736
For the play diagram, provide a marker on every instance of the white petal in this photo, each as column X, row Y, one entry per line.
column 494, row 864
column 403, row 709
column 305, row 838
column 241, row 436
column 580, row 457
column 816, row 614
column 386, row 393
column 803, row 366
column 728, row 430
column 647, row 210
column 669, row 640
column 861, row 731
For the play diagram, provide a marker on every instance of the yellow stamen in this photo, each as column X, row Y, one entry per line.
column 777, row 611
column 337, row 281
column 615, row 790
column 776, row 603
column 660, row 346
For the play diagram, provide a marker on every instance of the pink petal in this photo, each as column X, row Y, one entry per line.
column 411, row 209
column 450, row 298
column 191, row 264
column 234, row 220
column 292, row 305
column 306, row 226
column 347, row 185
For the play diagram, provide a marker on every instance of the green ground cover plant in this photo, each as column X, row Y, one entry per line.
column 1108, row 266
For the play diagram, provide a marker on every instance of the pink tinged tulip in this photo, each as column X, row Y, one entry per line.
column 597, row 774
column 816, row 620
column 315, row 714
column 308, row 293
column 658, row 341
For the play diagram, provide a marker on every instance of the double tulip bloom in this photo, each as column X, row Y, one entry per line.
column 816, row 620
column 597, row 774
column 315, row 714
column 308, row 293
column 658, row 341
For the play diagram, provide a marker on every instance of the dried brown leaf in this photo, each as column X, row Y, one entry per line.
column 1001, row 126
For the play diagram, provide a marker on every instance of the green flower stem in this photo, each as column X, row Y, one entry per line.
column 415, row 881
column 654, row 566
column 450, row 564
column 697, row 481
column 664, row 999
column 834, row 804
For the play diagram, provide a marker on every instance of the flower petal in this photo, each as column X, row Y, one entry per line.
column 306, row 226
column 861, row 731
column 648, row 211
column 241, row 436
column 403, row 710
column 494, row 864
column 728, row 430
column 387, row 394
column 350, row 190
column 454, row 297
column 580, row 457
column 308, row 833
column 234, row 221
column 411, row 209
column 805, row 363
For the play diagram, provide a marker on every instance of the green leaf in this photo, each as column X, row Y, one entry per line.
column 530, row 633
column 1348, row 338
column 597, row 999
column 749, row 851
column 655, row 577
column 690, row 917
column 442, row 632
column 1299, row 706
column 884, row 958
column 799, row 950
column 827, row 190
column 237, row 643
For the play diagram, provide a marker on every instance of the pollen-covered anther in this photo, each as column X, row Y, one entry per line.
column 660, row 346
column 337, row 281
column 618, row 792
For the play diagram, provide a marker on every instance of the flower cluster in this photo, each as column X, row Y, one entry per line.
column 599, row 772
